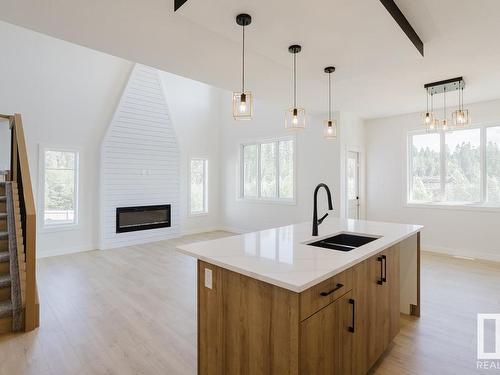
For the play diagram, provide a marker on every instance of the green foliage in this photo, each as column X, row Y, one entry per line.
column 463, row 173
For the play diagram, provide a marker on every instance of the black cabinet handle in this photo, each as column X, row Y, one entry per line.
column 353, row 303
column 337, row 287
column 381, row 280
column 384, row 259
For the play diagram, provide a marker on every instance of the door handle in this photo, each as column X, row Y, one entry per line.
column 384, row 260
column 352, row 327
column 337, row 287
column 380, row 281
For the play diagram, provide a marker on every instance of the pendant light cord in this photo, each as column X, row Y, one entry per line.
column 427, row 100
column 243, row 64
column 444, row 109
column 329, row 96
column 295, row 80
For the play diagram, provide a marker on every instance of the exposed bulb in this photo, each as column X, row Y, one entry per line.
column 329, row 130
column 243, row 107
column 445, row 125
column 295, row 120
column 427, row 118
column 461, row 117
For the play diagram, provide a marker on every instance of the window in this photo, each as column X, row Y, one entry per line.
column 198, row 186
column 267, row 170
column 461, row 167
column 493, row 164
column 60, row 187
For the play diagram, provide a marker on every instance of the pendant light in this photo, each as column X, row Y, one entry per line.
column 295, row 118
column 433, row 125
column 444, row 124
column 330, row 131
column 243, row 101
column 461, row 116
column 428, row 116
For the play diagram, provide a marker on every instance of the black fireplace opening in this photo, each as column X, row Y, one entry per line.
column 131, row 219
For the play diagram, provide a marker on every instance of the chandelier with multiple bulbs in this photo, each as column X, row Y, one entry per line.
column 460, row 117
column 295, row 117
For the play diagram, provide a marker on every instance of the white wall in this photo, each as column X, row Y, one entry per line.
column 66, row 95
column 352, row 138
column 4, row 145
column 317, row 159
column 139, row 160
column 451, row 231
column 195, row 112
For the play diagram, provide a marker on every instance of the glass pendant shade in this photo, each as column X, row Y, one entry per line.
column 330, row 130
column 295, row 119
column 433, row 126
column 427, row 119
column 461, row 117
column 445, row 126
column 242, row 105
column 243, row 100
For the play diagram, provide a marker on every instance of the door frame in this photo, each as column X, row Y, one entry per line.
column 362, row 181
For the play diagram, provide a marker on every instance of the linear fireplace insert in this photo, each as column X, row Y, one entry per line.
column 131, row 219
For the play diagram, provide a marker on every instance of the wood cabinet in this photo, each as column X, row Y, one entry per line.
column 326, row 339
column 340, row 326
column 376, row 292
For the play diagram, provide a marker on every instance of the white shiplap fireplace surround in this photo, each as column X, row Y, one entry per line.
column 139, row 159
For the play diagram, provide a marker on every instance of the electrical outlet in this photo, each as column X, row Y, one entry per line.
column 208, row 278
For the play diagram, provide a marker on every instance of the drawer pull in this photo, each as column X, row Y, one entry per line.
column 380, row 281
column 337, row 287
column 353, row 303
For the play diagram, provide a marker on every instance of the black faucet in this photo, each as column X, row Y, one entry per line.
column 317, row 222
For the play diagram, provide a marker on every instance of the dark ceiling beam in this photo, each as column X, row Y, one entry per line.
column 178, row 4
column 401, row 20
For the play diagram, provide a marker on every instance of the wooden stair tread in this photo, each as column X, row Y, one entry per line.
column 3, row 216
column 3, row 198
column 4, row 281
column 5, row 309
column 4, row 256
column 4, row 235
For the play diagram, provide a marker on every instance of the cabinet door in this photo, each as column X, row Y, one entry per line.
column 377, row 307
column 326, row 339
column 383, row 302
column 393, row 284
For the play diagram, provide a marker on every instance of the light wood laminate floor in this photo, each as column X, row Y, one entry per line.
column 133, row 311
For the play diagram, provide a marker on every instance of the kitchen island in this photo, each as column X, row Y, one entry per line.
column 270, row 303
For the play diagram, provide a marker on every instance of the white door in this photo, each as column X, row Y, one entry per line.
column 353, row 185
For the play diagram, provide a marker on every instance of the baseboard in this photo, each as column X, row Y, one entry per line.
column 188, row 232
column 233, row 230
column 53, row 253
column 81, row 249
column 476, row 255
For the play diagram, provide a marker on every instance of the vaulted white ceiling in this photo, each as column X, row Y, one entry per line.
column 379, row 72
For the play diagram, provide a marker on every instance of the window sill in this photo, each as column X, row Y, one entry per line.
column 454, row 206
column 198, row 214
column 285, row 202
column 58, row 228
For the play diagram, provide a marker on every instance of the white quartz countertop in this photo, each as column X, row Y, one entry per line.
column 281, row 256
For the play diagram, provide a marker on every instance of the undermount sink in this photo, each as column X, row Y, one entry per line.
column 343, row 242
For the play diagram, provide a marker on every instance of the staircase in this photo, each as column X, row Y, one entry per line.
column 11, row 270
column 19, row 306
column 5, row 290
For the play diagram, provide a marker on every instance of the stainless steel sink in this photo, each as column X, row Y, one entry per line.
column 343, row 241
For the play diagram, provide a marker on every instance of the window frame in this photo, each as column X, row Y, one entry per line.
column 205, row 186
column 41, row 184
column 267, row 200
column 481, row 205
